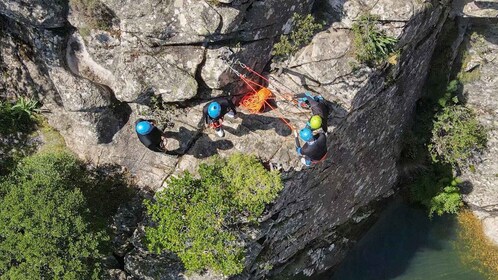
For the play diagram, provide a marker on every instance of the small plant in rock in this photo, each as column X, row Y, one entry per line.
column 372, row 45
column 302, row 32
column 18, row 117
column 456, row 136
column 198, row 218
column 25, row 106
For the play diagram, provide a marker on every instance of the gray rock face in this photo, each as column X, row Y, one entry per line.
column 166, row 59
column 40, row 13
column 481, row 96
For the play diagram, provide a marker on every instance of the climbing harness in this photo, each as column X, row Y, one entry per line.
column 216, row 124
column 320, row 160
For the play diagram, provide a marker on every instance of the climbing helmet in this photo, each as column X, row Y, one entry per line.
column 214, row 109
column 315, row 122
column 306, row 134
column 143, row 127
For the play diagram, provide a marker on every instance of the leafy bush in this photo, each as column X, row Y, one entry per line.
column 456, row 136
column 197, row 218
column 440, row 194
column 302, row 32
column 449, row 97
column 44, row 228
column 372, row 45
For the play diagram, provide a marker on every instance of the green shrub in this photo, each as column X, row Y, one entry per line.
column 197, row 218
column 302, row 32
column 44, row 228
column 440, row 194
column 372, row 45
column 456, row 136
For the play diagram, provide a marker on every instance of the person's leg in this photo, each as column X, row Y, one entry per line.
column 305, row 161
column 220, row 132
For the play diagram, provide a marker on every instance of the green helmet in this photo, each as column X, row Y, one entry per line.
column 315, row 122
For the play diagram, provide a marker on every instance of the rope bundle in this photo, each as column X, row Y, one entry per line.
column 254, row 101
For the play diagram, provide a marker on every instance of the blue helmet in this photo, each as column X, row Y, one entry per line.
column 306, row 134
column 143, row 127
column 214, row 109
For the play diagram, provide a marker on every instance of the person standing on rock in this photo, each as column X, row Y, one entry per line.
column 315, row 148
column 214, row 112
column 151, row 136
column 319, row 110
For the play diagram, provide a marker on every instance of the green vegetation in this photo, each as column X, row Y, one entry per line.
column 44, row 225
column 439, row 194
column 18, row 117
column 475, row 247
column 302, row 32
column 372, row 45
column 456, row 136
column 17, row 122
column 199, row 218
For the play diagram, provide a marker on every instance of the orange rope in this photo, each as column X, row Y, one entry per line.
column 256, row 100
column 254, row 72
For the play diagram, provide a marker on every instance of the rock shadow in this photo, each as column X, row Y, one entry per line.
column 196, row 143
column 256, row 122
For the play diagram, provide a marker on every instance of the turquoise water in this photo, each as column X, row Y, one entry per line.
column 405, row 245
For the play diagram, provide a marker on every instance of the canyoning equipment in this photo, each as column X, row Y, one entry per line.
column 214, row 110
column 257, row 99
column 320, row 160
column 306, row 134
column 216, row 124
column 143, row 127
column 315, row 122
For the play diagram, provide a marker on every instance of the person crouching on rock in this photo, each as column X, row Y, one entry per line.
column 315, row 148
column 319, row 110
column 215, row 111
column 151, row 136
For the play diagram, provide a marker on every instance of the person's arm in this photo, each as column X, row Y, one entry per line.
column 205, row 114
column 298, row 145
column 232, row 106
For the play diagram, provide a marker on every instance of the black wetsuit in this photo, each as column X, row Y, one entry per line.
column 152, row 140
column 226, row 106
column 317, row 108
column 315, row 150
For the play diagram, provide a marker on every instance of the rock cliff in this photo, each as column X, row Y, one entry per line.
column 99, row 65
column 479, row 68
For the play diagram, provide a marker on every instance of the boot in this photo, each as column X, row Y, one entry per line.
column 220, row 132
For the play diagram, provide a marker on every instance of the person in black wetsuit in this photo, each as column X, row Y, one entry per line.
column 214, row 112
column 151, row 136
column 318, row 107
column 315, row 148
